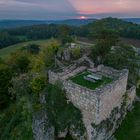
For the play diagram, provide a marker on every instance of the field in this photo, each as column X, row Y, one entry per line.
column 5, row 52
column 134, row 42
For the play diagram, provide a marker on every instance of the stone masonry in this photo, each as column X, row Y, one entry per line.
column 96, row 105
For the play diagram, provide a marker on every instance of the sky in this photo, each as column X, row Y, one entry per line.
column 68, row 9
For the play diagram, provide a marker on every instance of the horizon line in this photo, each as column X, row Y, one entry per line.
column 67, row 18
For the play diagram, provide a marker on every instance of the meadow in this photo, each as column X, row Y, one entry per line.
column 5, row 52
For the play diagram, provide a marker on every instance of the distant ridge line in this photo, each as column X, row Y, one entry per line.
column 11, row 23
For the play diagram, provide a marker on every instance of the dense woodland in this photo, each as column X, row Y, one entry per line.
column 21, row 34
column 23, row 75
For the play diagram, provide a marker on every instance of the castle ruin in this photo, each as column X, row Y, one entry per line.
column 97, row 105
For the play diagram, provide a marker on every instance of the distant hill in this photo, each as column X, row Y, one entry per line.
column 76, row 22
column 73, row 22
column 134, row 20
column 19, row 23
column 124, row 28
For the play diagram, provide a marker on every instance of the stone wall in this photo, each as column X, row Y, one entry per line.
column 100, row 101
column 97, row 105
column 111, row 96
column 106, row 129
column 69, row 72
column 83, row 98
column 131, row 95
column 110, row 72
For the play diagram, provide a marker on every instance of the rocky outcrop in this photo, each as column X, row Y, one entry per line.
column 41, row 126
column 42, row 129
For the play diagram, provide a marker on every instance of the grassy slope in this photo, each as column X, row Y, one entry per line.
column 130, row 128
column 8, row 50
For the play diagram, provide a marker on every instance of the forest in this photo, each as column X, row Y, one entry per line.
column 46, row 31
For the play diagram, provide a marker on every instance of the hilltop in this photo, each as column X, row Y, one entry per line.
column 73, row 22
column 20, row 23
column 124, row 28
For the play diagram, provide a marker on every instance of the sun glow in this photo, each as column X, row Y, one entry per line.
column 83, row 17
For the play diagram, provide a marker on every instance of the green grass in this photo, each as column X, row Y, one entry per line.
column 79, row 79
column 5, row 52
column 130, row 128
column 22, row 37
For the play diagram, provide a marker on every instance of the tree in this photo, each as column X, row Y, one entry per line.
column 105, row 40
column 5, row 77
column 33, row 49
column 19, row 62
column 23, row 97
column 64, row 34
column 38, row 84
column 1, row 61
column 124, row 56
column 76, row 52
column 28, row 87
column 6, row 39
column 46, row 57
column 22, row 63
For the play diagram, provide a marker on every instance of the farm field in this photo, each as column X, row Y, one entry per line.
column 5, row 52
column 134, row 42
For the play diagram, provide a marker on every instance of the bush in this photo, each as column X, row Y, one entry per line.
column 33, row 48
column 76, row 52
column 38, row 84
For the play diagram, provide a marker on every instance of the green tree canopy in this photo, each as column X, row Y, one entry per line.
column 5, row 77
column 19, row 62
column 105, row 40
column 33, row 48
column 124, row 56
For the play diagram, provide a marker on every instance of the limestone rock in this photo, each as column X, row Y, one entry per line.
column 42, row 129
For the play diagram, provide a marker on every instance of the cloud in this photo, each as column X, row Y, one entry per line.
column 105, row 6
column 58, row 9
column 36, row 9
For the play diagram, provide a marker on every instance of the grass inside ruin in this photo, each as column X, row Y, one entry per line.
column 79, row 79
